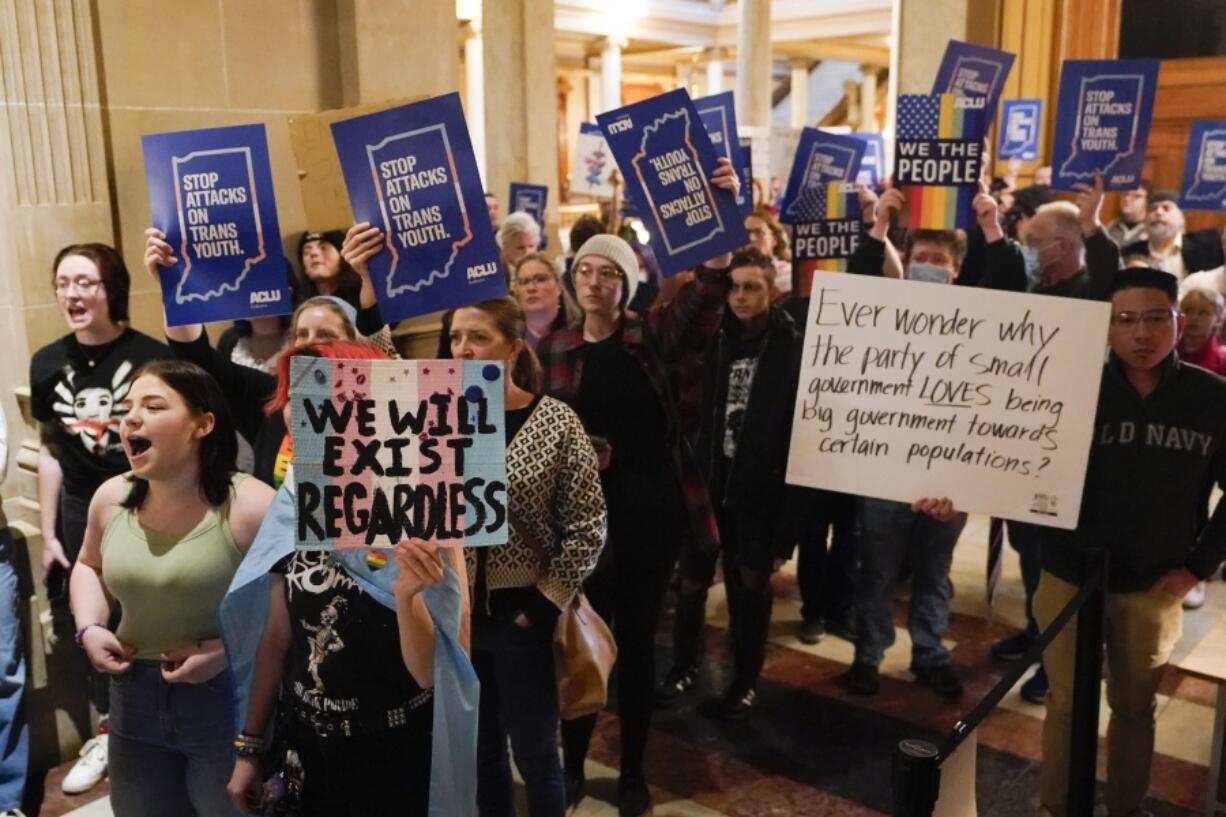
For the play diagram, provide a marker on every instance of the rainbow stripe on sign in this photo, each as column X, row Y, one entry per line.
column 836, row 207
column 938, row 207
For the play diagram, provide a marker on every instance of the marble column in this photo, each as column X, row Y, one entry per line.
column 800, row 93
column 474, row 90
column 593, row 88
column 610, row 73
column 868, row 100
column 753, row 80
column 715, row 71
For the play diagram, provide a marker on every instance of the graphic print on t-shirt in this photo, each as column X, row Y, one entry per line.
column 324, row 583
column 90, row 413
column 740, row 378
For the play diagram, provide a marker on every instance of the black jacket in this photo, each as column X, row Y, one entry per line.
column 1150, row 461
column 753, row 481
column 1201, row 250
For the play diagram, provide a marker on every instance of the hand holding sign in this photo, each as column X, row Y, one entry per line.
column 987, row 214
column 362, row 241
column 942, row 509
column 1089, row 204
column 421, row 565
column 891, row 203
column 158, row 254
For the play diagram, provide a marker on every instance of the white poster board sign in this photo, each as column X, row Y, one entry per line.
column 911, row 389
column 592, row 164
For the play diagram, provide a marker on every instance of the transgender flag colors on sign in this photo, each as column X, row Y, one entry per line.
column 390, row 449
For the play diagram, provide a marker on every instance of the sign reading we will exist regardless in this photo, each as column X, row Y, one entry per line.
column 911, row 390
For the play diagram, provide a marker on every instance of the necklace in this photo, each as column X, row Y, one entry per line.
column 92, row 359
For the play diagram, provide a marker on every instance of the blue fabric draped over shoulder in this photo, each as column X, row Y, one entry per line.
column 244, row 611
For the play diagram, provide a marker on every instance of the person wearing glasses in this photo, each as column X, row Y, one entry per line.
column 546, row 303
column 615, row 369
column 1157, row 442
column 78, row 384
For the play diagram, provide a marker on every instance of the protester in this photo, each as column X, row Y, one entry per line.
column 14, row 725
column 557, row 529
column 1157, row 442
column 77, row 385
column 1042, row 175
column 324, row 271
column 545, row 303
column 180, row 523
column 518, row 236
column 1167, row 247
column 494, row 209
column 584, row 228
column 767, row 236
column 345, row 672
column 1129, row 226
column 1202, row 310
column 743, row 450
column 255, row 342
column 613, row 371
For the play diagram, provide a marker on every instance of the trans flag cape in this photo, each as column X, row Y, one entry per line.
column 453, row 770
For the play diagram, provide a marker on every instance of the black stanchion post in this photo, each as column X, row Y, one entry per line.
column 916, row 778
column 1087, row 682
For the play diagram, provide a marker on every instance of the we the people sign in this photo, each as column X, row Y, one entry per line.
column 391, row 449
column 911, row 390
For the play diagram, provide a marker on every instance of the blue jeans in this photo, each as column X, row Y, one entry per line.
column 519, row 699
column 890, row 533
column 14, row 733
column 171, row 745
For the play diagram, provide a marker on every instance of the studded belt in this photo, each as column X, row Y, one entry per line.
column 361, row 723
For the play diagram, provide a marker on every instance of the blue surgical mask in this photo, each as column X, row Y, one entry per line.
column 1034, row 272
column 930, row 273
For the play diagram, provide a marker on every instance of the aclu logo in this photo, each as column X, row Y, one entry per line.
column 265, row 296
column 621, row 125
column 482, row 271
column 970, row 103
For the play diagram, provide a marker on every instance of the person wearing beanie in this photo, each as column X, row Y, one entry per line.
column 324, row 271
column 615, row 369
column 1167, row 247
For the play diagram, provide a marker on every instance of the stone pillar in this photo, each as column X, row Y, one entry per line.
column 521, row 110
column 392, row 49
column 753, row 80
column 851, row 94
column 925, row 27
column 593, row 88
column 715, row 71
column 610, row 73
column 474, row 91
column 800, row 93
column 868, row 100
column 53, row 192
column 684, row 71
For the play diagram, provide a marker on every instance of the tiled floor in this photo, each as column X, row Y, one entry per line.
column 811, row 750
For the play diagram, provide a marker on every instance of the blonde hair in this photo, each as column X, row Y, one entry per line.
column 1212, row 296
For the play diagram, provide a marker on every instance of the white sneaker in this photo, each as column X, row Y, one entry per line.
column 1195, row 598
column 90, row 769
column 13, row 812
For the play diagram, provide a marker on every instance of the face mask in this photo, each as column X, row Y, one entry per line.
column 1034, row 272
column 929, row 273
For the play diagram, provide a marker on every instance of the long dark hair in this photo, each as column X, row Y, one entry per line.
column 217, row 450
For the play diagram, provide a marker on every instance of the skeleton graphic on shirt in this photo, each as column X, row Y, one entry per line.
column 90, row 413
column 324, row 641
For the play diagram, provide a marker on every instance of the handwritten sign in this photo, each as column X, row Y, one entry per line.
column 872, row 166
column 938, row 159
column 667, row 159
column 389, row 449
column 411, row 172
column 1019, row 129
column 211, row 193
column 821, row 157
column 718, row 114
column 1204, row 169
column 593, row 163
column 912, row 390
column 975, row 72
column 1102, row 122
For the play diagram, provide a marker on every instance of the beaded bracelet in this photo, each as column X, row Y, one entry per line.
column 248, row 745
column 79, row 635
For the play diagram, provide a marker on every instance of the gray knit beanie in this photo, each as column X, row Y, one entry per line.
column 617, row 251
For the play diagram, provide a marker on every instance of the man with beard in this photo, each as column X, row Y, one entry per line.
column 1168, row 247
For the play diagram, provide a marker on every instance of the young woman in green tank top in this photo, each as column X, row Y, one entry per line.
column 164, row 541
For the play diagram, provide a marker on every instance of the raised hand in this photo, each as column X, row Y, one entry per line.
column 158, row 253
column 361, row 242
column 1089, row 204
column 987, row 213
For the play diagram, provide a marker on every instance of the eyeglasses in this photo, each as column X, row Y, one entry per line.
column 607, row 275
column 86, row 286
column 539, row 280
column 1151, row 318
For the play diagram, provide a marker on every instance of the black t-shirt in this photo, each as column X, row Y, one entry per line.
column 78, row 390
column 740, row 367
column 617, row 401
column 344, row 659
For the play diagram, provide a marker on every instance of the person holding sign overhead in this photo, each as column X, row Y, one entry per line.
column 178, row 523
column 614, row 370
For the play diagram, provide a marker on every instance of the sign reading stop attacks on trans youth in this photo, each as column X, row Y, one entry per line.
column 911, row 390
column 410, row 171
column 1204, row 171
column 667, row 160
column 210, row 192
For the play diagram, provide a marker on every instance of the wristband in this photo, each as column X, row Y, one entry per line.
column 246, row 745
column 79, row 636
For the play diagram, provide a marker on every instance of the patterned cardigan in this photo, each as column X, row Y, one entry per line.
column 553, row 489
column 661, row 340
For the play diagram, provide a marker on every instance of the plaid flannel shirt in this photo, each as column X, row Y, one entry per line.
column 672, row 332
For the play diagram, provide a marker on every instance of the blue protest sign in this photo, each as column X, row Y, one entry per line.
column 718, row 113
column 667, row 160
column 872, row 166
column 1204, row 169
column 530, row 198
column 410, row 171
column 1019, row 129
column 210, row 192
column 974, row 71
column 1102, row 122
column 821, row 157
